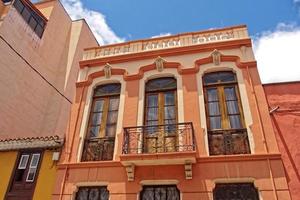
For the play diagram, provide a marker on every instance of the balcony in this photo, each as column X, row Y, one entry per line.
column 228, row 142
column 161, row 144
column 98, row 149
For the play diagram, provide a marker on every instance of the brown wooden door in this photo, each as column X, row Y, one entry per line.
column 23, row 181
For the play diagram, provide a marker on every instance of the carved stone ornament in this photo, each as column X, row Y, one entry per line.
column 188, row 169
column 130, row 172
column 107, row 70
column 216, row 55
column 159, row 63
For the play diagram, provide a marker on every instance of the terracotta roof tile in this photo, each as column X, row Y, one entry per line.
column 31, row 142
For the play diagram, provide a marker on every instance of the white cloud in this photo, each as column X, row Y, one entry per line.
column 96, row 21
column 278, row 54
column 161, row 35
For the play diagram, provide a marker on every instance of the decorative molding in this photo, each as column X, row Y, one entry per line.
column 130, row 172
column 159, row 63
column 230, row 44
column 188, row 169
column 216, row 56
column 107, row 70
column 129, row 77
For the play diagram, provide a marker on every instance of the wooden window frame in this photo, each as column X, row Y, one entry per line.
column 161, row 104
column 102, row 130
column 106, row 99
column 220, row 86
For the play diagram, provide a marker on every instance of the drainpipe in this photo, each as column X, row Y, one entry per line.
column 262, row 131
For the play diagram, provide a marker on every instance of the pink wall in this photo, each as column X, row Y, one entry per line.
column 29, row 105
column 286, row 122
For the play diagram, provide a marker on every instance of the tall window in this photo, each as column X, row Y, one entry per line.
column 23, row 181
column 226, row 128
column 242, row 191
column 92, row 193
column 160, row 114
column 160, row 192
column 103, row 123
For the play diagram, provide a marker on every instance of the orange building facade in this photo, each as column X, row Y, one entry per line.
column 284, row 103
column 176, row 117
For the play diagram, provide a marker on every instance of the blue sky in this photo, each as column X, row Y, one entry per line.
column 274, row 25
column 134, row 19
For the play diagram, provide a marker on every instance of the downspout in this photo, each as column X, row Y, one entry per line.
column 262, row 131
column 71, row 147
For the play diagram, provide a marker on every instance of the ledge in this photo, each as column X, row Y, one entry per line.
column 90, row 164
column 174, row 158
column 239, row 157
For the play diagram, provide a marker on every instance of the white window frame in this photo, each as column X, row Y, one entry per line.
column 34, row 168
column 26, row 156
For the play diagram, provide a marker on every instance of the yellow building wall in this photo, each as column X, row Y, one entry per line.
column 46, row 178
column 7, row 163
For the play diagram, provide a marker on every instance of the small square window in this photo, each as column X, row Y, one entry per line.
column 26, row 14
column 19, row 6
column 32, row 23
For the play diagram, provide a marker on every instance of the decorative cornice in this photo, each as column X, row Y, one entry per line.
column 31, row 142
column 231, row 44
column 166, row 65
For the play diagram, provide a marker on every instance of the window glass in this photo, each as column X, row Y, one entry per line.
column 39, row 30
column 219, row 77
column 99, row 144
column 34, row 20
column 109, row 89
column 23, row 161
column 160, row 115
column 32, row 23
column 161, row 84
column 33, row 167
column 18, row 5
column 26, row 14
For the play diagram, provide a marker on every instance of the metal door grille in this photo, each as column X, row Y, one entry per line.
column 160, row 192
column 235, row 191
column 92, row 193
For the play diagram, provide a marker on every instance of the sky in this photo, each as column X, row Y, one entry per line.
column 274, row 25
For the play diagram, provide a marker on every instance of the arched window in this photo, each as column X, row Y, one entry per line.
column 225, row 121
column 160, row 115
column 161, row 106
column 102, row 123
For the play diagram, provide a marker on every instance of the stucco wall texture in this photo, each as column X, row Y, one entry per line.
column 29, row 105
column 286, row 122
column 7, row 163
column 263, row 166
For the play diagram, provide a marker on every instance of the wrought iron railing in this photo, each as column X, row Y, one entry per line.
column 224, row 142
column 96, row 149
column 159, row 139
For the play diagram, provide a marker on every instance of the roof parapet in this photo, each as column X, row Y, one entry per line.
column 179, row 40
